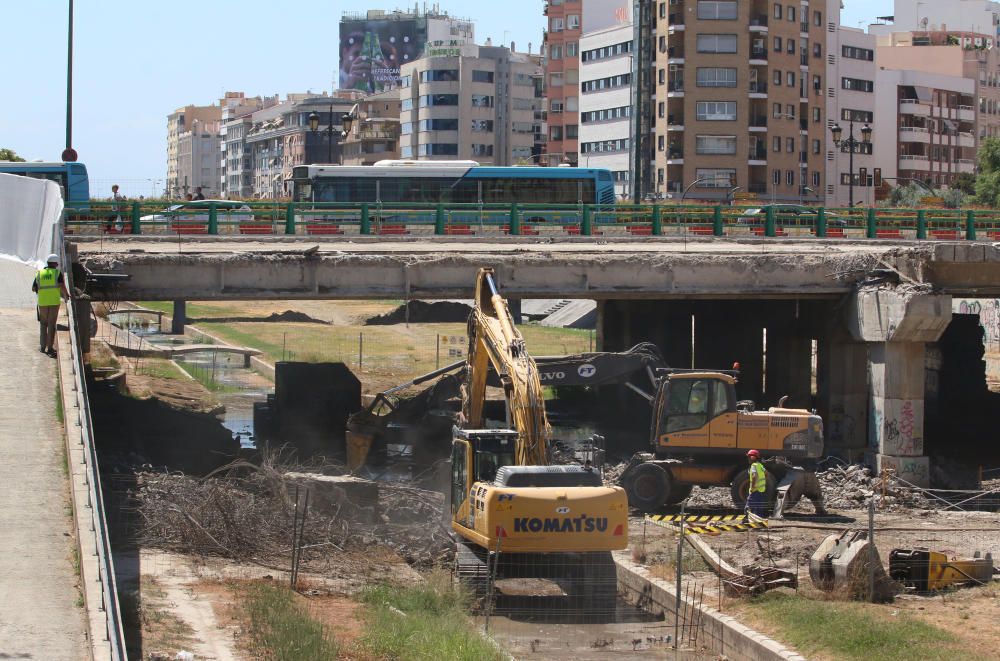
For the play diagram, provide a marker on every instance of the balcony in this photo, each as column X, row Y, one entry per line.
column 675, row 156
column 966, row 165
column 914, row 107
column 758, row 123
column 966, row 140
column 676, row 22
column 758, row 23
column 675, row 122
column 757, row 155
column 758, row 90
column 918, row 162
column 967, row 113
column 758, row 56
column 914, row 134
column 675, row 89
column 675, row 55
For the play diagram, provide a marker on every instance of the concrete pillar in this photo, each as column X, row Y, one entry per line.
column 897, row 326
column 179, row 319
column 842, row 385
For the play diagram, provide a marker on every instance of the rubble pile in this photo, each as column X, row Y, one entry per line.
column 246, row 512
column 850, row 487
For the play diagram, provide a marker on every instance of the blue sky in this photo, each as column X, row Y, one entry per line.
column 135, row 62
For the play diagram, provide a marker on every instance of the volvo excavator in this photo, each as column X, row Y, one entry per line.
column 536, row 521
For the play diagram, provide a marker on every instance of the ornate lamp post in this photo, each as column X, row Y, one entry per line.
column 849, row 145
column 314, row 127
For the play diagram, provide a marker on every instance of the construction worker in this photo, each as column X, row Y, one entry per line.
column 50, row 286
column 758, row 484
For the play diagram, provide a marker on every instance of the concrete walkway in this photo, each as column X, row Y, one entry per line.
column 39, row 618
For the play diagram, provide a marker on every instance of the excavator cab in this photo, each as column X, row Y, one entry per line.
column 695, row 410
column 476, row 456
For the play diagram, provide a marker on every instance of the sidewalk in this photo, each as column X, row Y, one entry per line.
column 39, row 616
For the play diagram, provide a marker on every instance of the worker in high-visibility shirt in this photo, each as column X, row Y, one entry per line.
column 757, row 484
column 50, row 286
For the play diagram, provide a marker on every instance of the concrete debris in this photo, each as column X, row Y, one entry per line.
column 850, row 487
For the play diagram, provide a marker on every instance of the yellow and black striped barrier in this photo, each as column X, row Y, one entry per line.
column 709, row 524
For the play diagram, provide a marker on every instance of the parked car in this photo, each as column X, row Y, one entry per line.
column 197, row 212
column 796, row 213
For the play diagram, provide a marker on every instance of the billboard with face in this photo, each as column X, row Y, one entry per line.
column 372, row 51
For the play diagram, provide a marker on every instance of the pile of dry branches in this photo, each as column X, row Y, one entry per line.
column 246, row 512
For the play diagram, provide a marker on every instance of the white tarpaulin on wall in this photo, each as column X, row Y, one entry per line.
column 30, row 212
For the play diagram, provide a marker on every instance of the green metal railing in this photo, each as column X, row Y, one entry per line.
column 373, row 219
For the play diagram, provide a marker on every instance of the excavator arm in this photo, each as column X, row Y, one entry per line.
column 494, row 340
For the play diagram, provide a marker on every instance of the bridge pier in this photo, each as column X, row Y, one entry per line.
column 897, row 328
column 179, row 319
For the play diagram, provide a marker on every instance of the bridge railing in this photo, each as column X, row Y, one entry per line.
column 377, row 219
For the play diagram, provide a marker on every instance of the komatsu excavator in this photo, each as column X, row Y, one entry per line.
column 557, row 523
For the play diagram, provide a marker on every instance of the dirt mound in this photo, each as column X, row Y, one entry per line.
column 288, row 316
column 424, row 312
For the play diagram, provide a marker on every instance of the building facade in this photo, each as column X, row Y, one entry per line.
column 237, row 166
column 180, row 173
column 741, row 98
column 561, row 51
column 470, row 102
column 198, row 164
column 851, row 104
column 979, row 16
column 374, row 135
column 605, row 108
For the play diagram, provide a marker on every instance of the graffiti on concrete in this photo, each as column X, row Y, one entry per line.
column 897, row 427
column 914, row 472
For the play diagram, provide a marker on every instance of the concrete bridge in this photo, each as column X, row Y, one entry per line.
column 842, row 326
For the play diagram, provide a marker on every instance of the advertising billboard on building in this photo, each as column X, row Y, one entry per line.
column 602, row 14
column 372, row 51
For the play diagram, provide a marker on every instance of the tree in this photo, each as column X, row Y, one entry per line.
column 965, row 182
column 7, row 154
column 988, row 181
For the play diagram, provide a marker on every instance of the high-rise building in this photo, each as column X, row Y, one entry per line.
column 606, row 105
column 374, row 134
column 741, row 93
column 561, row 51
column 470, row 102
column 181, row 175
column 237, row 180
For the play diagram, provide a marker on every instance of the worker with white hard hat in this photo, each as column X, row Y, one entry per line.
column 50, row 286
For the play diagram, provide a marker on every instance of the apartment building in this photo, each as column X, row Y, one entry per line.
column 851, row 67
column 374, row 134
column 741, row 92
column 237, row 166
column 198, row 165
column 606, row 106
column 979, row 16
column 562, row 79
column 470, row 102
column 181, row 177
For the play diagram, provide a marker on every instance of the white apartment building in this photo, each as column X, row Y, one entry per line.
column 980, row 16
column 198, row 159
column 237, row 164
column 850, row 75
column 470, row 102
column 606, row 109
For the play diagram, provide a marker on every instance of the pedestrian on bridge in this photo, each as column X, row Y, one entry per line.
column 50, row 286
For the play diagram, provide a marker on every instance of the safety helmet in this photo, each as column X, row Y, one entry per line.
column 52, row 259
column 753, row 453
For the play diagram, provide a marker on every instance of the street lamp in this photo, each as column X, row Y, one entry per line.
column 849, row 145
column 314, row 127
column 730, row 196
column 694, row 183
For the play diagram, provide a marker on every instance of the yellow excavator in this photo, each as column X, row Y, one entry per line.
column 555, row 523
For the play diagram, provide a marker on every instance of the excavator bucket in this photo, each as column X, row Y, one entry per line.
column 358, row 445
column 795, row 484
column 845, row 563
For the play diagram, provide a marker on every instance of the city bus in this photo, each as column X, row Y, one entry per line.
column 451, row 182
column 71, row 178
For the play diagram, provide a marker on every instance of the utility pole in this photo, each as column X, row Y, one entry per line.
column 69, row 154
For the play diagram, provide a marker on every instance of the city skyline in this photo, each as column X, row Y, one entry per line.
column 123, row 92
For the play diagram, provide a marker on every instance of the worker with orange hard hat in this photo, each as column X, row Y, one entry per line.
column 757, row 484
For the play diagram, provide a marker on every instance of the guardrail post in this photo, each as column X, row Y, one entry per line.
column 769, row 224
column 821, row 222
column 366, row 221
column 136, row 228
column 213, row 219
column 717, row 221
column 515, row 220
column 921, row 224
column 585, row 224
column 657, row 221
column 290, row 218
column 439, row 220
column 871, row 227
column 970, row 225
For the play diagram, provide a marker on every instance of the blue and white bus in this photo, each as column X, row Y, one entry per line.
column 451, row 182
column 71, row 177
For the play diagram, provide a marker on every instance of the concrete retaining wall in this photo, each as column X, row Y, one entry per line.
column 721, row 633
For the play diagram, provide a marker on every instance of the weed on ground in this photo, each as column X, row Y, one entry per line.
column 281, row 629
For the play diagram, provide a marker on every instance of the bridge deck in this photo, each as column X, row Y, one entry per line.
column 38, row 615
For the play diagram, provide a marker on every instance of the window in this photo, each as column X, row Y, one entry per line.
column 611, row 82
column 856, row 53
column 815, row 179
column 687, row 405
column 572, row 49
column 716, row 43
column 405, row 81
column 790, row 177
column 406, row 105
column 437, row 149
column 572, row 131
column 857, row 84
column 790, row 13
column 777, row 77
column 660, row 143
column 717, row 10
column 818, row 19
column 817, row 84
column 716, row 77
column 555, row 52
column 482, row 150
column 482, row 76
column 438, row 100
column 715, row 111
column 482, row 101
column 572, row 104
column 777, row 44
column 860, row 116
column 789, row 112
column 776, row 177
column 438, row 75
column 721, row 400
column 661, row 78
column 790, row 46
column 715, row 177
column 817, row 114
column 790, row 145
column 816, row 146
column 777, row 10
column 555, row 79
column 556, row 25
column 776, row 144
column 573, row 22
column 555, row 133
column 481, row 125
column 791, row 79
column 615, row 50
column 715, row 144
column 776, row 110
column 818, row 50
column 438, row 125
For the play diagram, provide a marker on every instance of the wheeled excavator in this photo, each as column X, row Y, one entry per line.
column 535, row 520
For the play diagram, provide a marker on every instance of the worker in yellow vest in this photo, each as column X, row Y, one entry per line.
column 51, row 289
column 758, row 484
